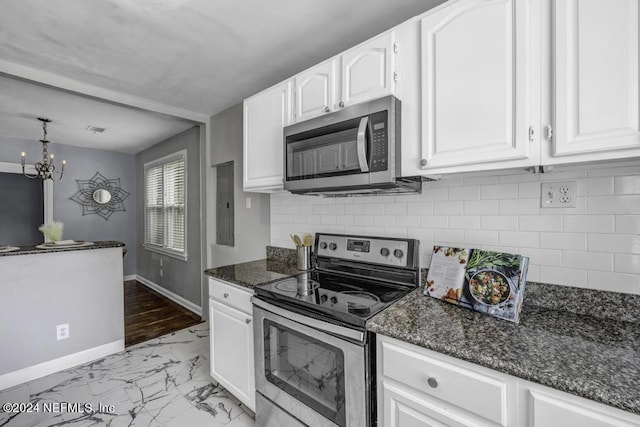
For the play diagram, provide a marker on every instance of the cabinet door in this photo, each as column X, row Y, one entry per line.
column 265, row 114
column 315, row 91
column 478, row 88
column 596, row 79
column 547, row 409
column 232, row 351
column 367, row 70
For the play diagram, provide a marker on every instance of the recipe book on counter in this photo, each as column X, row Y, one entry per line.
column 485, row 281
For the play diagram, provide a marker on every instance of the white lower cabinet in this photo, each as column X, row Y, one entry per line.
column 419, row 387
column 231, row 323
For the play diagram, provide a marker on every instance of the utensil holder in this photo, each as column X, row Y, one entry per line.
column 304, row 257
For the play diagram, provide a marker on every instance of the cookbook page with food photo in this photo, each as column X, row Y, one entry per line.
column 485, row 281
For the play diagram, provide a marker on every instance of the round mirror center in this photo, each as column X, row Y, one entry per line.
column 101, row 196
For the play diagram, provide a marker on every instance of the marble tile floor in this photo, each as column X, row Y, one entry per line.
column 161, row 382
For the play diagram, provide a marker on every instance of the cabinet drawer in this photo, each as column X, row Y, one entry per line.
column 231, row 295
column 479, row 394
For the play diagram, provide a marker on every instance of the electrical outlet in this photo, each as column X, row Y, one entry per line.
column 62, row 331
column 558, row 194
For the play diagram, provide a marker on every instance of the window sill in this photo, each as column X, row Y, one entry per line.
column 167, row 252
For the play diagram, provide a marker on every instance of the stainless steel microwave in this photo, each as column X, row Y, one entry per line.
column 352, row 151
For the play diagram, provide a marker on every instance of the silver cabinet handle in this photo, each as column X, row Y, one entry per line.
column 341, row 104
column 226, row 295
column 361, row 144
column 433, row 383
column 423, row 162
column 248, row 321
column 327, row 109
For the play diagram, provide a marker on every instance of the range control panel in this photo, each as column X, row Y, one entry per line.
column 392, row 252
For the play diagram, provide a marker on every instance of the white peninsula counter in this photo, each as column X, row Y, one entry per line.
column 42, row 289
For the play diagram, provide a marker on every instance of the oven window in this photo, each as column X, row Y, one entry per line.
column 308, row 369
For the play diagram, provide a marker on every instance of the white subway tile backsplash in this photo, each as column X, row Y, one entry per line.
column 448, row 237
column 588, row 223
column 615, row 282
column 519, row 206
column 626, row 263
column 448, row 207
column 434, row 221
column 408, row 220
column 481, row 207
column 499, row 222
column 529, row 239
column 422, row 208
column 549, row 257
column 529, row 190
column 480, row 238
column 627, row 184
column 568, row 241
column 596, row 244
column 564, row 276
column 464, row 193
column 588, row 260
column 434, row 194
column 595, row 186
column 540, row 223
column 616, row 243
column 628, row 224
column 499, row 191
column 470, row 222
column 397, row 208
column 620, row 204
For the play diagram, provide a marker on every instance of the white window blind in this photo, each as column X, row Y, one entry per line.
column 165, row 204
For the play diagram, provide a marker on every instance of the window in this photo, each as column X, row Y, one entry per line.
column 165, row 205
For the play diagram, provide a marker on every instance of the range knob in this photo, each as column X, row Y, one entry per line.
column 333, row 246
column 398, row 253
column 384, row 251
column 333, row 300
column 323, row 245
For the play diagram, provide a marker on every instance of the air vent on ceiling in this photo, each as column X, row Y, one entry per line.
column 95, row 129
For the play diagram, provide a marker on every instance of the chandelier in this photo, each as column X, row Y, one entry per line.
column 45, row 169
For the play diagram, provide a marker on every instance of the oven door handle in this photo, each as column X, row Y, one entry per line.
column 329, row 328
column 361, row 144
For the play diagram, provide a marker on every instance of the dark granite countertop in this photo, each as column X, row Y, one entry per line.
column 584, row 348
column 250, row 274
column 30, row 250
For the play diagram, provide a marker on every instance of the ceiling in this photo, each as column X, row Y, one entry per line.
column 189, row 59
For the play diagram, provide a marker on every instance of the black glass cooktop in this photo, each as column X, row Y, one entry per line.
column 349, row 300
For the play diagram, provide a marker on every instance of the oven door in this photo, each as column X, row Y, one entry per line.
column 315, row 376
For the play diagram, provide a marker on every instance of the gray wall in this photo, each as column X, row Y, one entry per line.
column 251, row 225
column 183, row 278
column 83, row 163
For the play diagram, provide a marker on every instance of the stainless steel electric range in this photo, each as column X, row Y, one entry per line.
column 315, row 361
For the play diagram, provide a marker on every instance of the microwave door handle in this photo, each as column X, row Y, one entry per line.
column 362, row 144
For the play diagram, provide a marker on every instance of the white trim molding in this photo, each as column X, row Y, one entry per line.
column 130, row 277
column 173, row 297
column 40, row 370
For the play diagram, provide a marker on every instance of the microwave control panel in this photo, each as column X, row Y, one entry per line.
column 379, row 141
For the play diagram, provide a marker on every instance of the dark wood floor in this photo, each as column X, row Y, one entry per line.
column 147, row 314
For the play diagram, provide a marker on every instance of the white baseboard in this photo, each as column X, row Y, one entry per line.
column 173, row 297
column 65, row 362
column 130, row 277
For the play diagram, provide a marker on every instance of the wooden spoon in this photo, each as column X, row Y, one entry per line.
column 307, row 239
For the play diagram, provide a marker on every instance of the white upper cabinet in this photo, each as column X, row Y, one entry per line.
column 316, row 91
column 479, row 86
column 265, row 115
column 360, row 74
column 367, row 71
column 595, row 79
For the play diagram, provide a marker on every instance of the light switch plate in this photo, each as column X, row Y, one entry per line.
column 558, row 194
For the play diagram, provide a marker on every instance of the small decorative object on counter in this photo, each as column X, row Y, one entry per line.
column 485, row 281
column 303, row 250
column 52, row 232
